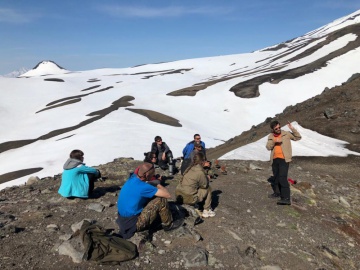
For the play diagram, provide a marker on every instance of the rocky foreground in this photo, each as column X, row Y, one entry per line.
column 321, row 230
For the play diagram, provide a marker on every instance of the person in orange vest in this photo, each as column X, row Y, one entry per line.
column 279, row 143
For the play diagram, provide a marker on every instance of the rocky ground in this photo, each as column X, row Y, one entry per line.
column 320, row 230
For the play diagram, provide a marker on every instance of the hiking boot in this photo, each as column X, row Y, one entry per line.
column 284, row 202
column 208, row 213
column 274, row 195
column 174, row 225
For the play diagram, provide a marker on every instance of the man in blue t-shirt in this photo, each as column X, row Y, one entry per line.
column 140, row 203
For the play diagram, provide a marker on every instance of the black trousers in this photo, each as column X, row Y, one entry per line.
column 280, row 170
column 92, row 179
column 163, row 164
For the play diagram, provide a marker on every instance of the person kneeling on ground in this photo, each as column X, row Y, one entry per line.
column 140, row 203
column 194, row 186
column 77, row 179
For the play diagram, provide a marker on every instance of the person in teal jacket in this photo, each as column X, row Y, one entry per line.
column 77, row 179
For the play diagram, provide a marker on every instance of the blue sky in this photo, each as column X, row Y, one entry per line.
column 89, row 34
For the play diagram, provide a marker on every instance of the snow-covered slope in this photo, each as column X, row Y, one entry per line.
column 109, row 113
column 311, row 144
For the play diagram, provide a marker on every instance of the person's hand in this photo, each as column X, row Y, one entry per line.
column 277, row 140
column 206, row 164
column 290, row 125
column 163, row 157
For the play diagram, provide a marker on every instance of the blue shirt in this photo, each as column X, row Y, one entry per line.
column 134, row 196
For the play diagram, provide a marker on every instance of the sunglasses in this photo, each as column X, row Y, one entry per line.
column 151, row 168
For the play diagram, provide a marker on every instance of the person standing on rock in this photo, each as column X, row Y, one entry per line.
column 140, row 203
column 194, row 187
column 77, row 180
column 281, row 153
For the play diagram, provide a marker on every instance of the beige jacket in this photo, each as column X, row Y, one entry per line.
column 193, row 180
column 286, row 136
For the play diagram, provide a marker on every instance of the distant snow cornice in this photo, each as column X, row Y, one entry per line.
column 46, row 67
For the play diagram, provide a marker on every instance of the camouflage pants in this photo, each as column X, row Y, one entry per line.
column 150, row 212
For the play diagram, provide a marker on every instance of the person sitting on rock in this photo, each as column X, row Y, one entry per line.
column 77, row 179
column 139, row 204
column 163, row 153
column 189, row 147
column 187, row 162
column 194, row 187
column 150, row 157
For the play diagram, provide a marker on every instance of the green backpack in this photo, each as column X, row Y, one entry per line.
column 104, row 248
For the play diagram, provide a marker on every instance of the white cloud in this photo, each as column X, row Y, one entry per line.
column 155, row 12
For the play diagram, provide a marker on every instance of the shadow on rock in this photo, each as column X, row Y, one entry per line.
column 101, row 191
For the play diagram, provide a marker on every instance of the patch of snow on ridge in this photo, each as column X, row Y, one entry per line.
column 16, row 73
column 45, row 68
column 311, row 144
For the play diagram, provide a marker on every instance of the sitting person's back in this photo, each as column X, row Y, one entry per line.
column 139, row 204
column 194, row 186
column 150, row 157
column 187, row 162
column 77, row 179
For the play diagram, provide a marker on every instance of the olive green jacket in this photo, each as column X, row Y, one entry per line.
column 193, row 180
column 286, row 136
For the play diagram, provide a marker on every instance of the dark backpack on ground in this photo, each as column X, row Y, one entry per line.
column 104, row 248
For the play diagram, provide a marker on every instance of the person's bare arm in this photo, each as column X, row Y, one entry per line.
column 162, row 192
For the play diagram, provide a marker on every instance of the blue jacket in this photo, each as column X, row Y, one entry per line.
column 189, row 148
column 75, row 181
